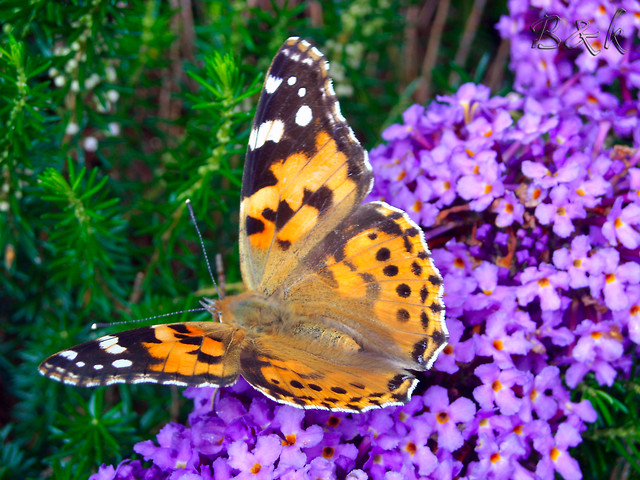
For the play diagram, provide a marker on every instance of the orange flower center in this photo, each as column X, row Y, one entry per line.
column 411, row 448
column 289, row 440
column 327, row 452
column 442, row 417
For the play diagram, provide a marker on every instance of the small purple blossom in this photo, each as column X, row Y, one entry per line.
column 622, row 225
column 545, row 283
column 448, row 416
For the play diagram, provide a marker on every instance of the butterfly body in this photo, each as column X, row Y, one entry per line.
column 343, row 301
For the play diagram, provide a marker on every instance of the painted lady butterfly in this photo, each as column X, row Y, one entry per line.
column 342, row 301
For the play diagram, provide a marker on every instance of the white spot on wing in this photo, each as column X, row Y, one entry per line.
column 308, row 61
column 304, row 116
column 107, row 341
column 292, row 80
column 302, row 92
column 330, row 89
column 116, row 349
column 80, row 364
column 122, row 363
column 97, row 366
column 110, row 345
column 68, row 354
column 272, row 84
column 271, row 130
column 337, row 113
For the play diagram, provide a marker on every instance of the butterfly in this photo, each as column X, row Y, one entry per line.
column 343, row 301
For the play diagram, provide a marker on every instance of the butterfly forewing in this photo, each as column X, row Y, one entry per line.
column 194, row 353
column 305, row 171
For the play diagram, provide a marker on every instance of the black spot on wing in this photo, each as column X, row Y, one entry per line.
column 321, row 199
column 436, row 307
column 390, row 270
column 403, row 290
column 402, row 315
column 424, row 293
column 269, row 214
column 383, row 254
column 284, row 245
column 254, row 225
column 439, row 337
column 284, row 214
column 418, row 351
column 424, row 319
column 416, row 269
column 396, row 382
column 179, row 328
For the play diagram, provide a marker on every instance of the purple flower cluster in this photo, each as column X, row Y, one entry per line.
column 532, row 206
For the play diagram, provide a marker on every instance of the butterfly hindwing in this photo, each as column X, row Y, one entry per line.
column 305, row 171
column 378, row 271
column 323, row 379
column 193, row 353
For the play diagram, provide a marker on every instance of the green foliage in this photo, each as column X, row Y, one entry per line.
column 112, row 114
column 615, row 435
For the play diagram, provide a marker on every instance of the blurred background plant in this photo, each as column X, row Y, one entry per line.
column 112, row 113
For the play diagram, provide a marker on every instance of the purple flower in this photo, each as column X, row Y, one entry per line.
column 499, row 343
column 498, row 458
column 540, row 173
column 542, row 282
column 610, row 278
column 482, row 187
column 448, row 416
column 555, row 455
column 575, row 261
column 544, row 405
column 259, row 463
column 622, row 224
column 634, row 184
column 295, row 437
column 413, row 117
column 174, row 451
column 457, row 351
column 496, row 388
column 599, row 345
column 415, row 449
column 509, row 210
column 561, row 212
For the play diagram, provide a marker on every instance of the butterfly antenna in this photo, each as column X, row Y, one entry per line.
column 95, row 326
column 204, row 251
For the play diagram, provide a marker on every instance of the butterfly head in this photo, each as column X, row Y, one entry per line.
column 213, row 307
